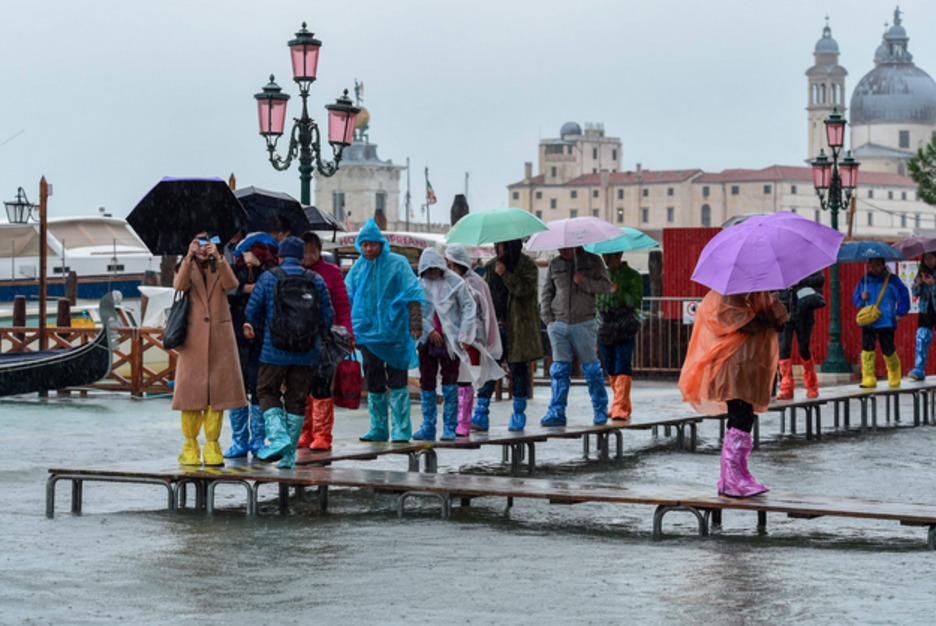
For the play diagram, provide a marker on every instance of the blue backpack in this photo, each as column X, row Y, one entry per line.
column 297, row 312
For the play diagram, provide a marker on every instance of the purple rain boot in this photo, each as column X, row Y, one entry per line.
column 465, row 408
column 736, row 480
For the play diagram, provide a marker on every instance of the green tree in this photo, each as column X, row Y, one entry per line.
column 923, row 172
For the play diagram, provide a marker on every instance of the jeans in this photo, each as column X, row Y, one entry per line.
column 569, row 340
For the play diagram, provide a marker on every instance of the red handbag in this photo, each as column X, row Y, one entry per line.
column 348, row 383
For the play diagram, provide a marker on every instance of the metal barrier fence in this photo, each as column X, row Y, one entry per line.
column 664, row 336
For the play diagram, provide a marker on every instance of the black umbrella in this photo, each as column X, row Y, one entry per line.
column 263, row 205
column 177, row 209
column 320, row 220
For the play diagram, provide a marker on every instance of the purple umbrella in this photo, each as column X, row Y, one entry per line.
column 572, row 232
column 916, row 246
column 766, row 253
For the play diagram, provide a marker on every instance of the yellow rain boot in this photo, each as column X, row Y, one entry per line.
column 868, row 379
column 893, row 369
column 191, row 424
column 213, row 421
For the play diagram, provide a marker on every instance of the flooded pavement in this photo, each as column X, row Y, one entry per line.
column 127, row 559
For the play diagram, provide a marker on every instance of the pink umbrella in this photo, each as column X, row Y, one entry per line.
column 766, row 253
column 572, row 232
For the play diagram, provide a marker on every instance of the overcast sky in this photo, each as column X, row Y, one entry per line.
column 104, row 97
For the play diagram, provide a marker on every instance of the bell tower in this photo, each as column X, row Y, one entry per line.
column 826, row 90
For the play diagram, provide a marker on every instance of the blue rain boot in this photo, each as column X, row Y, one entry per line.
column 427, row 402
column 449, row 412
column 257, row 429
column 559, row 373
column 240, row 433
column 278, row 434
column 377, row 408
column 400, row 426
column 596, row 389
column 294, row 427
column 924, row 337
column 518, row 417
column 482, row 412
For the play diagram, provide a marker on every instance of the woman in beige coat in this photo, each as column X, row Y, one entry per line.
column 207, row 377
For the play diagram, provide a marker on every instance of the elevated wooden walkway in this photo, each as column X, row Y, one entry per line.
column 447, row 488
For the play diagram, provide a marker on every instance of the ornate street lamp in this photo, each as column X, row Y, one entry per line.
column 20, row 210
column 304, row 138
column 833, row 178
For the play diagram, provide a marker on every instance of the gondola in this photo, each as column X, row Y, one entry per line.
column 29, row 372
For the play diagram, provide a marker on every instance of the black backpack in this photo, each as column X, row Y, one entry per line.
column 297, row 312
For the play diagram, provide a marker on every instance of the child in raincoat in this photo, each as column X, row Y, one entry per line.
column 729, row 368
column 448, row 329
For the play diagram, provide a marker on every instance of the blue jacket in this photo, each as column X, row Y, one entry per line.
column 924, row 292
column 260, row 309
column 895, row 303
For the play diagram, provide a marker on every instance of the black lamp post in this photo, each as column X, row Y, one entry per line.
column 19, row 210
column 305, row 140
column 833, row 178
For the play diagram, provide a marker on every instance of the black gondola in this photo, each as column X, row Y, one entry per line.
column 28, row 372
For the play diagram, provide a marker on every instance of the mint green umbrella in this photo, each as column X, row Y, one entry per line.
column 632, row 239
column 493, row 226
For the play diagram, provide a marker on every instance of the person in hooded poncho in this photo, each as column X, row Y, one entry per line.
column 730, row 367
column 386, row 302
column 485, row 349
column 448, row 329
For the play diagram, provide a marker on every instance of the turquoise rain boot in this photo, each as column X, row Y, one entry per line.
column 518, row 417
column 449, row 412
column 596, row 389
column 278, row 434
column 240, row 433
column 377, row 408
column 401, row 428
column 482, row 411
column 294, row 427
column 257, row 429
column 924, row 337
column 427, row 402
column 559, row 373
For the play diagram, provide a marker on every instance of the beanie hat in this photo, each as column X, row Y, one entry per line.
column 292, row 246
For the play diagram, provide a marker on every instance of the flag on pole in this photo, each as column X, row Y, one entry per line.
column 430, row 194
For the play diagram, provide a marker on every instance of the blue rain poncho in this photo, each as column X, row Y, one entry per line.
column 380, row 292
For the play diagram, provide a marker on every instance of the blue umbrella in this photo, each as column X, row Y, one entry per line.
column 632, row 239
column 864, row 251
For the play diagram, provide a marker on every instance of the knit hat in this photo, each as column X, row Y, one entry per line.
column 292, row 246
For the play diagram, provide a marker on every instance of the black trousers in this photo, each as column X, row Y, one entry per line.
column 296, row 379
column 871, row 336
column 801, row 327
column 740, row 415
column 377, row 374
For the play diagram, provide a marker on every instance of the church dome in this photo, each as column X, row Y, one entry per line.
column 896, row 90
column 827, row 44
column 570, row 128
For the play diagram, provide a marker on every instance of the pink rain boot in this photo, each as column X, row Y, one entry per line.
column 736, row 480
column 465, row 407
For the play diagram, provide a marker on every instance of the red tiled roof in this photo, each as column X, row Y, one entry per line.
column 648, row 177
column 775, row 173
column 539, row 179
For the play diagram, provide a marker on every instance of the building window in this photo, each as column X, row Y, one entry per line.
column 905, row 139
column 516, row 195
column 380, row 200
column 735, row 190
column 870, row 218
column 670, row 214
column 555, row 149
column 595, row 153
column 573, row 213
column 620, row 215
column 594, row 170
column 706, row 215
column 705, row 192
column 573, row 194
column 792, row 209
column 793, row 189
column 539, row 214
column 817, row 218
column 594, row 212
column 614, row 155
column 870, row 193
column 552, row 203
column 903, row 220
column 644, row 215
column 916, row 220
column 669, row 191
column 552, row 172
column 338, row 205
column 890, row 195
column 903, row 195
column 768, row 189
column 620, row 194
column 539, row 195
column 646, row 192
column 594, row 193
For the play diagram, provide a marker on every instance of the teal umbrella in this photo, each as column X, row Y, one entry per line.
column 632, row 239
column 493, row 226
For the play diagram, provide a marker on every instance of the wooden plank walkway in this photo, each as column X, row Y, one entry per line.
column 448, row 487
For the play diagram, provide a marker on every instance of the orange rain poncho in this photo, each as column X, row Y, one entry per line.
column 733, row 352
